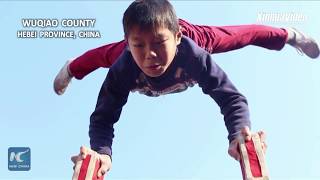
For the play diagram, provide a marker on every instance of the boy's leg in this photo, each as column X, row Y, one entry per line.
column 103, row 56
column 216, row 39
column 213, row 39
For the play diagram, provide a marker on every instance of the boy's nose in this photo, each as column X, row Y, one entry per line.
column 151, row 53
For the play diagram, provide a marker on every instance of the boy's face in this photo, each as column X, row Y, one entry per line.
column 153, row 51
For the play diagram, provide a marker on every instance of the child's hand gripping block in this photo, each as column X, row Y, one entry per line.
column 252, row 161
column 87, row 169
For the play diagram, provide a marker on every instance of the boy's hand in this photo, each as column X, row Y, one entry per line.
column 245, row 132
column 104, row 159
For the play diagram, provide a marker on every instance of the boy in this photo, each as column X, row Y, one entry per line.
column 212, row 39
column 160, row 60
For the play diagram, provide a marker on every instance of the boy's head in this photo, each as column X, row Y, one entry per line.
column 152, row 31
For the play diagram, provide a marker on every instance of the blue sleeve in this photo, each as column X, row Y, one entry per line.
column 233, row 105
column 112, row 97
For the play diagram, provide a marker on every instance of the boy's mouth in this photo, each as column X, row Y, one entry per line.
column 154, row 67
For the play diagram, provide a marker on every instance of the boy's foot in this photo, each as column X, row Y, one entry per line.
column 62, row 79
column 304, row 44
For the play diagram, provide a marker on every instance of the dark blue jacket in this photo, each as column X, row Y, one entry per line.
column 191, row 65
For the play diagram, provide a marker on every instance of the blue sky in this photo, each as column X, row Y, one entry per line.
column 180, row 136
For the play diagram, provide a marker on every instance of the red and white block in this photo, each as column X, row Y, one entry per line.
column 253, row 165
column 87, row 169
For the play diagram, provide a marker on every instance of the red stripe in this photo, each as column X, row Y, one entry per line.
column 96, row 168
column 253, row 159
column 84, row 168
column 255, row 166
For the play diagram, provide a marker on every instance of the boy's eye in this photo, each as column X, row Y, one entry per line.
column 161, row 41
column 138, row 45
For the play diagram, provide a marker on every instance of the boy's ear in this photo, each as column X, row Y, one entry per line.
column 178, row 37
column 126, row 41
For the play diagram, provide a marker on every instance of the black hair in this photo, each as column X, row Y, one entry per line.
column 149, row 15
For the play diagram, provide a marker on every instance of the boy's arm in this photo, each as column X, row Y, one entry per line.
column 233, row 105
column 111, row 99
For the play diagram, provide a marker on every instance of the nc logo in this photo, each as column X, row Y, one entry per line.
column 19, row 158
